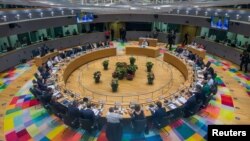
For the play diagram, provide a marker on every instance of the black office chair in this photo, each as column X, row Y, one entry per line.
column 86, row 124
column 214, row 88
column 208, row 64
column 193, row 110
column 70, row 121
column 35, row 53
column 140, row 125
column 33, row 92
column 84, row 48
column 164, row 121
column 114, row 131
column 44, row 103
column 36, row 76
column 176, row 114
column 55, row 111
column 207, row 100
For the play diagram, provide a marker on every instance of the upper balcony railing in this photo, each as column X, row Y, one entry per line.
column 13, row 16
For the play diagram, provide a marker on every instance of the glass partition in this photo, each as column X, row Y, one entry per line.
column 11, row 42
column 166, row 27
column 225, row 37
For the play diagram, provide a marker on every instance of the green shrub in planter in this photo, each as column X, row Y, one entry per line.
column 114, row 85
column 121, row 64
column 151, row 78
column 130, row 76
column 97, row 76
column 105, row 64
column 149, row 66
column 114, row 74
column 131, row 69
column 132, row 60
column 121, row 72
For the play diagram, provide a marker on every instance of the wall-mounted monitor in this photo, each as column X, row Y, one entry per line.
column 220, row 22
column 84, row 17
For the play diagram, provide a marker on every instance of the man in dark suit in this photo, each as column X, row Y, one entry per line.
column 159, row 113
column 244, row 58
column 58, row 105
column 190, row 105
column 88, row 113
column 73, row 110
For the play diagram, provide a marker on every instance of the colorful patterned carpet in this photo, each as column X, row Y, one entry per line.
column 26, row 120
column 7, row 77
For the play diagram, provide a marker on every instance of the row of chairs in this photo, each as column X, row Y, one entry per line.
column 61, row 113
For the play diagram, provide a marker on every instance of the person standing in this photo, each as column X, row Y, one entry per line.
column 107, row 34
column 123, row 34
column 155, row 33
column 170, row 40
column 114, row 128
column 244, row 58
column 112, row 34
column 185, row 41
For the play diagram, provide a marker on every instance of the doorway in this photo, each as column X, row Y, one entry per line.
column 191, row 30
column 116, row 26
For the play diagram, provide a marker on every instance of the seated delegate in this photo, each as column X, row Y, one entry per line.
column 158, row 113
column 144, row 43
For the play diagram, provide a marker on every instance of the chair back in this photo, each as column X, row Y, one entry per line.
column 140, row 125
column 166, row 120
column 86, row 124
column 36, row 76
column 70, row 121
column 214, row 88
column 33, row 92
column 208, row 64
column 114, row 132
column 177, row 114
column 55, row 110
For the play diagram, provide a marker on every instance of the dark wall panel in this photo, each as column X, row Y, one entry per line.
column 28, row 26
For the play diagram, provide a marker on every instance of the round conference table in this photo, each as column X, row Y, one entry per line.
column 69, row 66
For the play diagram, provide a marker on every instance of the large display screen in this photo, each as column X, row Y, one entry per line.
column 220, row 22
column 84, row 17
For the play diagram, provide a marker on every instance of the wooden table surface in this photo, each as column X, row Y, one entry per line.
column 147, row 51
column 151, row 41
column 199, row 52
column 75, row 63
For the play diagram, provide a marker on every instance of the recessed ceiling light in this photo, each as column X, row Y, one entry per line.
column 4, row 18
column 196, row 12
column 132, row 8
column 17, row 16
column 237, row 16
column 206, row 13
column 41, row 14
column 30, row 15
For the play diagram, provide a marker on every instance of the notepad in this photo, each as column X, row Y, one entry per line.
column 172, row 106
column 182, row 100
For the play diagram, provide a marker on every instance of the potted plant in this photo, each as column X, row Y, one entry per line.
column 132, row 60
column 151, row 78
column 1, row 84
column 149, row 66
column 114, row 85
column 131, row 69
column 130, row 76
column 105, row 64
column 121, row 64
column 114, row 74
column 97, row 76
column 121, row 72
